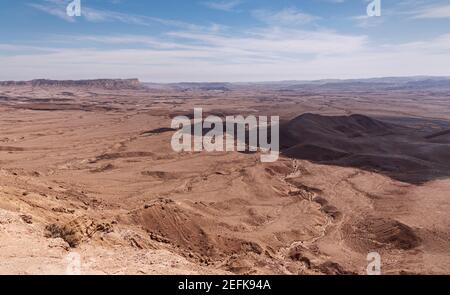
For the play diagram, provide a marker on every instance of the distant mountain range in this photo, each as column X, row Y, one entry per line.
column 386, row 83
column 96, row 83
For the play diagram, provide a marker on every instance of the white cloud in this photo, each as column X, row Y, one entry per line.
column 433, row 12
column 365, row 21
column 226, row 5
column 272, row 41
column 265, row 54
column 53, row 8
column 286, row 17
column 58, row 8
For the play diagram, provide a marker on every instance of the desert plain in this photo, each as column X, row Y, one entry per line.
column 86, row 167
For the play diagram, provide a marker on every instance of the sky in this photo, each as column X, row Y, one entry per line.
column 223, row 40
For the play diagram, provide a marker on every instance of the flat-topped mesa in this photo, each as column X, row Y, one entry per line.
column 96, row 83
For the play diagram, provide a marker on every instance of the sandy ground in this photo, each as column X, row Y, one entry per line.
column 78, row 174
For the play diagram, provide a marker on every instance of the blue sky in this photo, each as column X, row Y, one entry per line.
column 223, row 40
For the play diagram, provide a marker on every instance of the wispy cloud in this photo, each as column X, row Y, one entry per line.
column 55, row 8
column 255, row 55
column 283, row 43
column 433, row 12
column 58, row 8
column 288, row 16
column 226, row 5
column 365, row 21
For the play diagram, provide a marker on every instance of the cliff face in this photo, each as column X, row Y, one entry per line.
column 97, row 83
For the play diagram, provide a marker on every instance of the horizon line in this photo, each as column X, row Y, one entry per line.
column 242, row 82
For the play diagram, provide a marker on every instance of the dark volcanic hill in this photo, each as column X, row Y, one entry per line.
column 97, row 83
column 359, row 141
